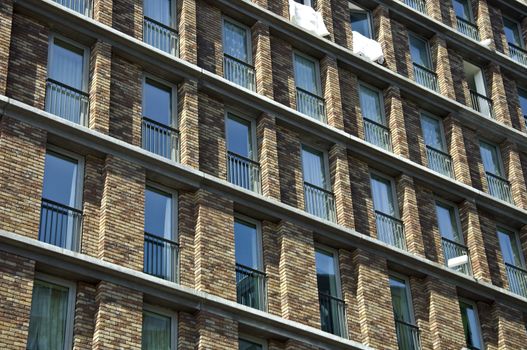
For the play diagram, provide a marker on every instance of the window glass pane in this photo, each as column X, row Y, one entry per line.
column 509, row 248
column 47, row 323
column 432, row 132
column 462, row 9
column 489, row 156
column 522, row 95
column 360, row 23
column 235, row 41
column 313, row 167
column 470, row 325
column 447, row 222
column 246, row 244
column 239, row 136
column 326, row 273
column 158, row 213
column 66, row 64
column 382, row 195
column 156, row 331
column 511, row 32
column 370, row 104
column 305, row 74
column 157, row 102
column 159, row 10
column 60, row 179
column 419, row 51
column 247, row 345
column 401, row 309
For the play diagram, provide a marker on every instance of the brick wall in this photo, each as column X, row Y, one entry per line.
column 213, row 147
column 6, row 20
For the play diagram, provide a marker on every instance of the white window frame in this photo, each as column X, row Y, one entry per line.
column 441, row 128
column 248, row 37
column 452, row 205
column 230, row 113
column 427, row 47
column 253, row 339
column 381, row 101
column 335, row 254
column 325, row 161
column 375, row 173
column 174, row 198
column 173, row 14
column 476, row 313
column 498, row 152
column 174, row 100
column 409, row 297
column 259, row 238
column 353, row 7
column 518, row 28
column 173, row 321
column 318, row 80
column 509, row 229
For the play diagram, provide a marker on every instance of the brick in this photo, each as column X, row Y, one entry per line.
column 441, row 60
column 84, row 321
column 426, row 212
column 290, row 167
column 100, row 81
column 266, row 134
column 514, row 173
column 409, row 214
column 209, row 37
column 480, row 9
column 261, row 43
column 497, row 93
column 364, row 219
column 103, row 11
column 340, row 178
column 188, row 123
column 92, row 196
column 456, row 144
column 331, row 88
column 216, row 332
column 6, row 20
column 394, row 112
column 349, row 85
column 127, row 17
column 283, row 77
column 187, row 20
column 186, row 231
column 212, row 145
column 271, row 257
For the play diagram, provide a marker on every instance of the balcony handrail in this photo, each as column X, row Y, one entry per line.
column 497, row 177
column 376, row 124
column 65, row 86
column 477, row 94
column 164, row 126
column 238, row 60
column 467, row 22
column 457, row 244
column 426, row 69
column 331, row 297
column 418, row 5
column 162, row 25
column 410, row 325
column 519, row 48
column 439, row 151
column 310, row 94
column 249, row 160
column 318, row 188
column 162, row 239
column 62, row 206
column 389, row 217
column 519, row 268
column 251, row 270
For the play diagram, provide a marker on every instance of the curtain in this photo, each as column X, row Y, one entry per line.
column 157, row 103
column 326, row 273
column 239, row 137
column 447, row 222
column 432, row 133
column 360, row 23
column 247, row 345
column 382, row 195
column 511, row 32
column 235, row 41
column 158, row 213
column 313, row 166
column 461, row 8
column 489, row 156
column 509, row 248
column 370, row 104
column 158, row 10
column 400, row 305
column 470, row 325
column 67, row 64
column 305, row 74
column 156, row 331
column 419, row 51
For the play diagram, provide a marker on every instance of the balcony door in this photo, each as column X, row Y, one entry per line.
column 159, row 329
column 510, row 248
column 462, row 9
column 522, row 97
column 376, row 130
column 424, row 73
column 491, row 159
column 512, row 32
column 159, row 25
column 238, row 62
column 471, row 326
column 360, row 20
column 407, row 332
column 437, row 153
column 478, row 90
column 383, row 196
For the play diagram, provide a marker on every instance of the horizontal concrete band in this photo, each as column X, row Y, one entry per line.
column 190, row 178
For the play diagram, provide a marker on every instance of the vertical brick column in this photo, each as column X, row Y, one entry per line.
column 118, row 319
column 523, row 240
column 325, row 8
column 434, row 10
column 403, row 60
column 330, row 85
column 409, row 214
column 100, row 81
column 456, row 145
column 214, row 245
column 513, row 102
column 216, row 332
column 497, row 273
column 186, row 230
column 187, row 331
column 283, row 72
column 497, row 93
column 92, row 193
column 349, row 85
column 421, row 308
column 441, row 61
column 188, row 121
column 348, row 282
column 102, row 11
column 6, row 19
column 280, row 7
column 476, row 169
column 271, row 257
column 121, row 237
column 394, row 112
column 511, row 326
column 23, row 151
column 298, row 283
column 268, row 155
column 84, row 322
column 428, row 222
column 261, row 40
column 458, row 76
column 292, row 344
column 290, row 167
column 127, row 17
column 341, row 24
column 414, row 134
column 487, row 322
column 187, row 21
column 480, row 9
column 340, row 178
column 363, row 215
column 209, row 37
column 16, row 291
column 383, row 29
column 514, row 173
column 212, row 145
column 498, row 30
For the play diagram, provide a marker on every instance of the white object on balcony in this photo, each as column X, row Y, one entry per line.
column 307, row 18
column 457, row 261
column 367, row 48
column 485, row 42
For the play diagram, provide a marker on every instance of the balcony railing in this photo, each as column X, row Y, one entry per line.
column 452, row 250
column 161, row 257
column 390, row 230
column 418, row 5
column 311, row 105
column 251, row 287
column 60, row 225
column 408, row 336
column 160, row 139
column 161, row 36
column 67, row 102
column 481, row 103
column 518, row 54
column 517, row 279
column 425, row 77
column 239, row 72
column 439, row 161
column 243, row 172
column 499, row 187
column 467, row 28
column 333, row 315
column 319, row 202
column 84, row 7
column 377, row 134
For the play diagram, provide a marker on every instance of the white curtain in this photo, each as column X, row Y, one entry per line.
column 382, row 195
column 156, row 332
column 400, row 300
column 370, row 104
column 158, row 10
column 67, row 63
column 313, row 166
column 447, row 223
column 305, row 74
column 489, row 156
column 432, row 133
column 235, row 41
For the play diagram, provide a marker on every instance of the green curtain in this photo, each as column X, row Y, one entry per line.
column 156, row 331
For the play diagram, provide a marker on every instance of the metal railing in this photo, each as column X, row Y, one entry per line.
column 518, row 54
column 311, row 105
column 467, row 28
column 408, row 337
column 67, row 102
column 481, row 103
column 160, row 36
column 517, row 279
column 390, row 230
column 425, row 77
column 453, row 250
column 333, row 315
column 243, row 172
column 251, row 287
column 239, row 72
column 439, row 161
column 161, row 257
column 319, row 202
column 499, row 187
column 84, row 7
column 418, row 5
column 377, row 134
column 60, row 225
column 160, row 139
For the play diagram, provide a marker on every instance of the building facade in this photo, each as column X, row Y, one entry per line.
column 206, row 174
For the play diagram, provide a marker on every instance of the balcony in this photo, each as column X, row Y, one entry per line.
column 161, row 257
column 243, row 172
column 239, row 72
column 418, row 5
column 467, row 28
column 481, row 103
column 84, row 7
column 160, row 139
column 425, row 77
column 333, row 315
column 377, row 134
column 60, row 225
column 517, row 279
column 160, row 36
column 319, row 202
column 408, row 336
column 311, row 105
column 518, row 54
column 499, row 187
column 390, row 230
column 452, row 251
column 67, row 102
column 251, row 287
column 439, row 161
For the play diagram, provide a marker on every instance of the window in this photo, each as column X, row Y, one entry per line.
column 238, row 54
column 159, row 133
column 407, row 332
column 498, row 186
column 360, row 20
column 332, row 307
column 159, row 329
column 161, row 248
column 514, row 261
column 308, row 88
column 522, row 97
column 423, row 71
column 438, row 158
column 250, row 280
column 478, row 90
column 159, row 25
column 512, row 32
column 251, row 343
column 389, row 227
column 61, row 210
column 372, row 108
column 491, row 159
column 305, row 2
column 51, row 318
column 462, row 9
column 469, row 316
column 465, row 19
column 383, row 196
column 67, row 83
